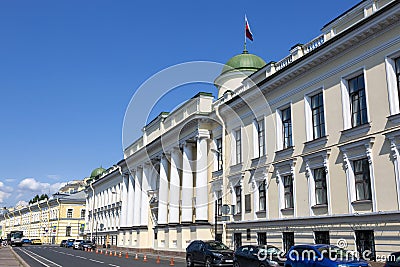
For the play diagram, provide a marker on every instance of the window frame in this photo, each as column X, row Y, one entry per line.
column 365, row 181
column 289, row 193
column 238, row 195
column 238, row 145
column 323, row 188
column 262, row 198
column 70, row 213
column 287, row 136
column 320, row 111
column 218, row 145
column 358, row 99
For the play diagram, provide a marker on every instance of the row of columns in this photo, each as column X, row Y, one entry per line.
column 175, row 198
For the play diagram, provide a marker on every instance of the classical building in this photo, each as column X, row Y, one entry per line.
column 303, row 150
column 51, row 221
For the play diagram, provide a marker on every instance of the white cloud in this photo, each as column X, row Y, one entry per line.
column 3, row 196
column 10, row 180
column 30, row 187
column 26, row 190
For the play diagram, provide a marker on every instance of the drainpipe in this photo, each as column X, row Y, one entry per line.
column 48, row 221
column 224, row 184
column 58, row 218
column 30, row 221
column 120, row 194
column 93, row 205
column 40, row 219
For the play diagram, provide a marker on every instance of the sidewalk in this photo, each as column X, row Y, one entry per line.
column 8, row 258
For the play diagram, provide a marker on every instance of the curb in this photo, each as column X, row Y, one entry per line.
column 18, row 257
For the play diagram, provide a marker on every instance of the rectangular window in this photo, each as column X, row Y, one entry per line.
column 262, row 197
column 358, row 102
column 261, row 137
column 219, row 203
column 83, row 214
column 320, row 186
column 287, row 128
column 248, row 234
column 365, row 242
column 238, row 193
column 247, row 203
column 219, row 153
column 322, row 237
column 69, row 213
column 397, row 65
column 362, row 179
column 318, row 120
column 238, row 146
column 261, row 239
column 68, row 231
column 288, row 240
column 288, row 190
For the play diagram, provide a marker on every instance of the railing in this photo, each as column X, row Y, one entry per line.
column 284, row 62
column 313, row 44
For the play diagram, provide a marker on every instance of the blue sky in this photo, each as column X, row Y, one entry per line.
column 68, row 70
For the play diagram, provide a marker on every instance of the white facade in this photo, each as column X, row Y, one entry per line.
column 308, row 155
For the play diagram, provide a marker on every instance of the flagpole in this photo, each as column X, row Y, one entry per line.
column 245, row 21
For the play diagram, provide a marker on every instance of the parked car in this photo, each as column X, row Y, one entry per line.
column 393, row 260
column 63, row 243
column 76, row 243
column 70, row 243
column 208, row 253
column 36, row 241
column 261, row 256
column 26, row 241
column 321, row 256
column 87, row 244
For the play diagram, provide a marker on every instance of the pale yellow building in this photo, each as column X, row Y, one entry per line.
column 51, row 221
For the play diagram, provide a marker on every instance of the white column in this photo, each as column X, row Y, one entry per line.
column 201, row 181
column 131, row 199
column 187, row 183
column 144, row 212
column 174, row 187
column 138, row 197
column 124, row 199
column 163, row 191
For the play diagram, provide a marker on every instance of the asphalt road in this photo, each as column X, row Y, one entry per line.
column 53, row 256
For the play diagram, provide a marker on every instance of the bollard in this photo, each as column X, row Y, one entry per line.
column 144, row 258
column 97, row 251
column 120, row 255
column 126, row 256
column 171, row 262
column 136, row 257
column 101, row 251
column 158, row 259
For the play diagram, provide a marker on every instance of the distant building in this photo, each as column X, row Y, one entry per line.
column 53, row 220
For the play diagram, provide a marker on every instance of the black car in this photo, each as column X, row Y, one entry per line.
column 260, row 256
column 86, row 245
column 393, row 260
column 63, row 243
column 208, row 253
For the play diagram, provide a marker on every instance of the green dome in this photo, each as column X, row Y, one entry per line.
column 97, row 172
column 244, row 62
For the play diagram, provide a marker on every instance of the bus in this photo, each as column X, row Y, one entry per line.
column 15, row 238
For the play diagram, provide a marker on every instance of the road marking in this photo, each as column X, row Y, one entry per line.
column 81, row 257
column 30, row 255
column 69, row 254
column 113, row 265
column 96, row 261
